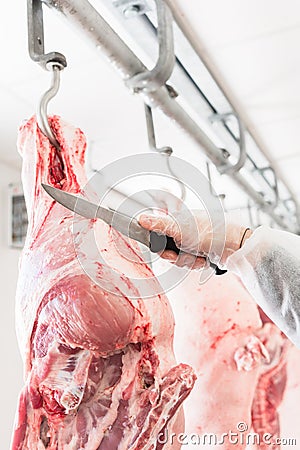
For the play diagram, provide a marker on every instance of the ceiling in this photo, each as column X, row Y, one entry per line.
column 252, row 47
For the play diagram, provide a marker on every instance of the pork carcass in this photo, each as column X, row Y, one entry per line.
column 222, row 318
column 240, row 363
column 271, row 387
column 288, row 410
column 100, row 372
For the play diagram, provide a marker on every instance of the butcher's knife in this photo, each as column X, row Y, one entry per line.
column 126, row 225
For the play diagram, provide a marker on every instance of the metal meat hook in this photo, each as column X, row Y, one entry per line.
column 212, row 192
column 167, row 151
column 52, row 61
column 42, row 114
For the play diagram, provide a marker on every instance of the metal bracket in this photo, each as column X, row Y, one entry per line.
column 153, row 79
column 230, row 169
column 275, row 184
column 287, row 202
column 131, row 8
column 36, row 45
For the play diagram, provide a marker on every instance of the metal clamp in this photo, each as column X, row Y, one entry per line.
column 163, row 150
column 153, row 79
column 230, row 169
column 131, row 8
column 36, row 44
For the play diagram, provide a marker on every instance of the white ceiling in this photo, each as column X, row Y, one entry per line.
column 253, row 47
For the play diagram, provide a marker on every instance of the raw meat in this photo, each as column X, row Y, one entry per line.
column 271, row 386
column 289, row 408
column 100, row 372
column 222, row 318
column 240, row 360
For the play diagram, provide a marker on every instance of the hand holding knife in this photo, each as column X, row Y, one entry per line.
column 126, row 225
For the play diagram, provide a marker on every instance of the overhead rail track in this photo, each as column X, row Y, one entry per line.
column 245, row 172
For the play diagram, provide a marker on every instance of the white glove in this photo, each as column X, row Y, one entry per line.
column 196, row 234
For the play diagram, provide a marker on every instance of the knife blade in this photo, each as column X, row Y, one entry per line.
column 126, row 225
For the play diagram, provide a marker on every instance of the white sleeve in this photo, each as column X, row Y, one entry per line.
column 269, row 266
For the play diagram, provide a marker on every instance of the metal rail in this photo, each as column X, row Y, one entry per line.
column 84, row 17
column 203, row 100
column 186, row 31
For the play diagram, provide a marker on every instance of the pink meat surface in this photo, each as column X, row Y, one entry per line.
column 271, row 387
column 213, row 321
column 100, row 372
column 240, row 361
column 289, row 407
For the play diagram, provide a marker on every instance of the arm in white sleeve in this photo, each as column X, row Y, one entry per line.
column 269, row 266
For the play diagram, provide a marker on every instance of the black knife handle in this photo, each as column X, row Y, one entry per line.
column 160, row 242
